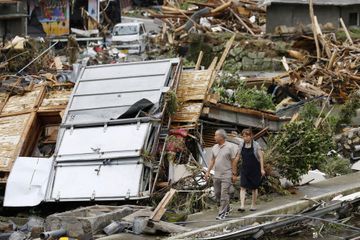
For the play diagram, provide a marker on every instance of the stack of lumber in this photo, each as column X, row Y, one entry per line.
column 333, row 71
column 182, row 17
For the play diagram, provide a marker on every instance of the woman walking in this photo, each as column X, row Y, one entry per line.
column 252, row 168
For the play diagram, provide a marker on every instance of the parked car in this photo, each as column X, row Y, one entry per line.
column 129, row 37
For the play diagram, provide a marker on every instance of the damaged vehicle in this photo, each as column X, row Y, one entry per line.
column 129, row 38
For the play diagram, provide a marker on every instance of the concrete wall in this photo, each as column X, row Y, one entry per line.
column 296, row 14
column 345, row 11
column 10, row 20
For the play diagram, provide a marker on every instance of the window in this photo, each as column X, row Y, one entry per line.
column 354, row 19
column 125, row 30
column 142, row 31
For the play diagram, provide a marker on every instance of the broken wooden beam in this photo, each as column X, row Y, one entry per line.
column 161, row 207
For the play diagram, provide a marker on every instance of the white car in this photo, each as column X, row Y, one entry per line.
column 129, row 37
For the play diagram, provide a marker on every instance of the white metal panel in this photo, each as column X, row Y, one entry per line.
column 102, row 142
column 119, row 85
column 27, row 182
column 107, row 181
column 115, row 86
column 113, row 100
column 126, row 70
column 95, row 115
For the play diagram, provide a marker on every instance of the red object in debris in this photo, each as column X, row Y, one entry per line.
column 179, row 132
column 98, row 49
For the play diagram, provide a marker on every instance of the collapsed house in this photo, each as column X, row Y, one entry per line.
column 115, row 130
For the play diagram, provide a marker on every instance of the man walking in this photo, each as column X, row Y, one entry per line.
column 223, row 156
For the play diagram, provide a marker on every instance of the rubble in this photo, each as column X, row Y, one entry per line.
column 333, row 73
column 211, row 16
column 88, row 221
column 51, row 130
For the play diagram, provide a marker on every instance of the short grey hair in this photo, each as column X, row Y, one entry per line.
column 222, row 133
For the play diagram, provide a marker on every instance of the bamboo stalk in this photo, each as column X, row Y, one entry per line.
column 198, row 62
column 311, row 11
column 346, row 31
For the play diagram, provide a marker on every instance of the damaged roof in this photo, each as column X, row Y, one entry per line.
column 315, row 2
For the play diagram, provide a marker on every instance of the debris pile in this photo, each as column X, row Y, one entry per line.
column 348, row 143
column 209, row 16
column 333, row 71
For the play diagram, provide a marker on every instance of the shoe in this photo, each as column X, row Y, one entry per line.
column 241, row 209
column 253, row 209
column 221, row 217
column 227, row 213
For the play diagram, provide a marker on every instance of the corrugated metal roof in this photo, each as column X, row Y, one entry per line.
column 315, row 2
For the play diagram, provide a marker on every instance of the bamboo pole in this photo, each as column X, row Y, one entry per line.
column 311, row 11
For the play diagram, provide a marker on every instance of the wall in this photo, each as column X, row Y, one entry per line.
column 11, row 20
column 296, row 14
column 345, row 11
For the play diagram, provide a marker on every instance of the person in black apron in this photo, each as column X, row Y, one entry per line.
column 252, row 168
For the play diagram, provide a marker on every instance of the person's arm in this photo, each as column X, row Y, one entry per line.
column 212, row 163
column 234, row 164
column 261, row 155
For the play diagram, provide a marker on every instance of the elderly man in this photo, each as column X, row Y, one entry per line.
column 223, row 162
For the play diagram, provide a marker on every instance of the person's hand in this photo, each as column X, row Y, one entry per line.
column 234, row 178
column 207, row 175
column 263, row 172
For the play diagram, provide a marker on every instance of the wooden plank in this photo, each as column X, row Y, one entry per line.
column 193, row 85
column 4, row 97
column 346, row 31
column 161, row 207
column 222, row 7
column 55, row 99
column 11, row 130
column 252, row 112
column 18, row 103
column 225, row 53
column 58, row 63
column 198, row 62
column 261, row 133
column 188, row 113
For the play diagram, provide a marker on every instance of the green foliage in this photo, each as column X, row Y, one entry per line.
column 172, row 102
column 354, row 33
column 310, row 111
column 334, row 166
column 254, row 98
column 224, row 96
column 297, row 148
column 242, row 95
column 348, row 110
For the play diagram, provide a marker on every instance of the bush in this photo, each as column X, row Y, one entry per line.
column 335, row 166
column 233, row 90
column 348, row 110
column 254, row 98
column 297, row 148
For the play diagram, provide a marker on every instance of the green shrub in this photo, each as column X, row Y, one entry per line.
column 297, row 148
